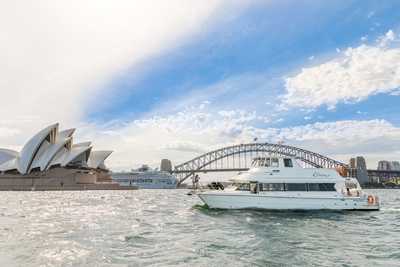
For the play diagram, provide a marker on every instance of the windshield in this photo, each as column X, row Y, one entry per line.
column 265, row 162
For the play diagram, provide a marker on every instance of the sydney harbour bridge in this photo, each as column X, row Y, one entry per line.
column 239, row 157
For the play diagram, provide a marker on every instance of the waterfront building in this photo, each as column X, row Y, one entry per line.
column 51, row 160
column 360, row 166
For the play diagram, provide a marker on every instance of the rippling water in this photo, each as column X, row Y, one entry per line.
column 169, row 228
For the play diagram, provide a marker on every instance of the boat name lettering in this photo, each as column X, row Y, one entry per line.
column 318, row 174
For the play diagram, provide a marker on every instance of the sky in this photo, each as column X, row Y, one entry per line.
column 175, row 79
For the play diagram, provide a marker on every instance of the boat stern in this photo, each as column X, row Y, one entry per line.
column 371, row 203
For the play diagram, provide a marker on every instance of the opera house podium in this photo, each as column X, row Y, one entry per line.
column 50, row 160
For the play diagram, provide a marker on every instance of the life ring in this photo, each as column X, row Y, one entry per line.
column 370, row 199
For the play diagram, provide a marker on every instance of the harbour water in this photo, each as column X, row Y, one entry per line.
column 169, row 228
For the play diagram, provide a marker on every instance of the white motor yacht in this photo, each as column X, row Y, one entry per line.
column 280, row 183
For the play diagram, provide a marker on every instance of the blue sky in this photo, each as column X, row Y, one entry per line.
column 270, row 40
column 178, row 78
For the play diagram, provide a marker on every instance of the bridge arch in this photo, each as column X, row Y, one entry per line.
column 200, row 163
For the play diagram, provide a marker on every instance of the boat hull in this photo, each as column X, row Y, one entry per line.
column 257, row 201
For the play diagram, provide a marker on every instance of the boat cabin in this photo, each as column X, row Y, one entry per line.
column 284, row 173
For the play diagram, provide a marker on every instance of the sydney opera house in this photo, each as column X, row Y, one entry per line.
column 51, row 160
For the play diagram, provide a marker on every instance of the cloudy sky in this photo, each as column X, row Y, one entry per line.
column 173, row 79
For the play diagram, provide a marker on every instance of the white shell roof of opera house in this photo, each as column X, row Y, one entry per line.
column 50, row 147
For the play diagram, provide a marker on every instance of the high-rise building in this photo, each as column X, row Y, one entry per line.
column 360, row 166
column 384, row 165
column 395, row 165
column 353, row 163
column 166, row 165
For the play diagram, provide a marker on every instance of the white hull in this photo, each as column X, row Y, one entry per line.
column 224, row 200
column 282, row 184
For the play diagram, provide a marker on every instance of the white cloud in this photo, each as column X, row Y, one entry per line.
column 184, row 135
column 374, row 139
column 386, row 39
column 354, row 76
column 56, row 55
column 8, row 132
column 179, row 136
column 341, row 133
column 186, row 147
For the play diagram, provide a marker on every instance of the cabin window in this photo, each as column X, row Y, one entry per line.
column 254, row 187
column 262, row 162
column 313, row 187
column 255, row 162
column 296, row 187
column 243, row 187
column 259, row 162
column 351, row 185
column 327, row 187
column 272, row 187
column 267, row 162
column 268, row 187
column 274, row 162
column 321, row 187
column 288, row 163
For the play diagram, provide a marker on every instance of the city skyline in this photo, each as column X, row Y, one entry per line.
column 150, row 84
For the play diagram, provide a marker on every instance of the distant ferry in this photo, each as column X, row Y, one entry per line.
column 146, row 178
